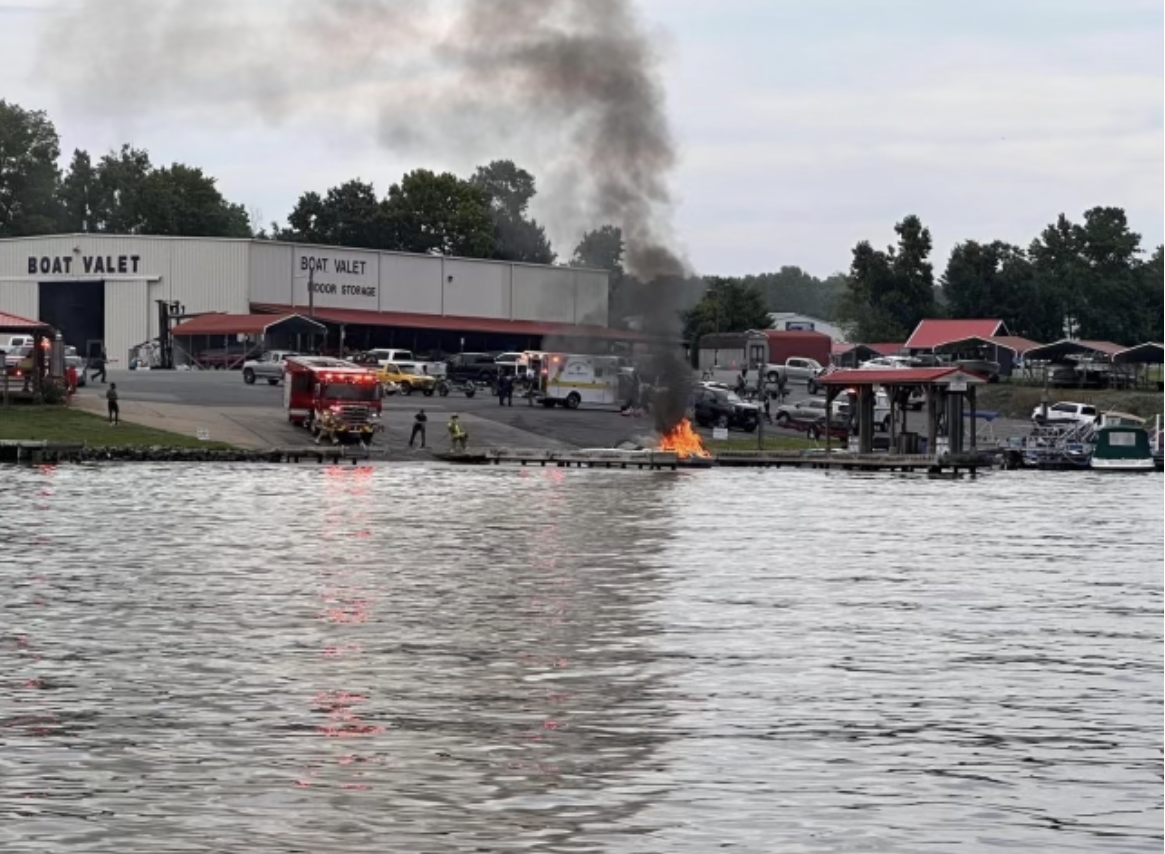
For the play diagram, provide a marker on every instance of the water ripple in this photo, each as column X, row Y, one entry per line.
column 418, row 659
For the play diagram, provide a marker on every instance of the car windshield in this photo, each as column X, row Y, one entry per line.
column 349, row 391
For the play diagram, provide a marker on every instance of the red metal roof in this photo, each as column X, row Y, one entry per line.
column 887, row 349
column 15, row 321
column 233, row 324
column 356, row 317
column 931, row 333
column 1071, row 347
column 897, row 376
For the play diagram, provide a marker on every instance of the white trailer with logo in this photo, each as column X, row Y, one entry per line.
column 573, row 380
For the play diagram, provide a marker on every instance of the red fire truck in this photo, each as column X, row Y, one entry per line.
column 334, row 399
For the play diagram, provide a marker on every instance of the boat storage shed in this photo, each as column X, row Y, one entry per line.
column 226, row 340
column 103, row 290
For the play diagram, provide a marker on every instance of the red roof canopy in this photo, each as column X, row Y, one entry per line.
column 447, row 323
column 237, row 324
column 1014, row 343
column 15, row 321
column 900, row 376
column 931, row 333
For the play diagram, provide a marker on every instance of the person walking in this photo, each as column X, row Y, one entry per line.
column 111, row 404
column 458, row 438
column 419, row 422
column 97, row 366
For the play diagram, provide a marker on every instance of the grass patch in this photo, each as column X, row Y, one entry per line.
column 771, row 443
column 57, row 424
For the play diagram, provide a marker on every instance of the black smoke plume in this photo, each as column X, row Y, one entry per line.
column 573, row 84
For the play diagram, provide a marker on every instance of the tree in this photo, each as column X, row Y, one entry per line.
column 602, row 249
column 440, row 215
column 793, row 289
column 993, row 280
column 350, row 215
column 80, row 195
column 29, row 148
column 180, row 200
column 507, row 191
column 889, row 292
column 116, row 204
column 727, row 306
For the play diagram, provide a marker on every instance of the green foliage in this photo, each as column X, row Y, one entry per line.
column 439, row 215
column 889, row 291
column 180, row 200
column 349, row 215
column 507, row 191
column 727, row 306
column 29, row 148
column 793, row 289
column 1080, row 279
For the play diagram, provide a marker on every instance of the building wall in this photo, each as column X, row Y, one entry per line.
column 205, row 275
column 789, row 321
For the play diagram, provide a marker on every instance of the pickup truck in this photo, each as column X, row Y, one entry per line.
column 403, row 359
column 407, row 380
column 794, row 369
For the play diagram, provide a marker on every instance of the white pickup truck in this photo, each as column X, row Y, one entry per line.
column 403, row 359
column 794, row 369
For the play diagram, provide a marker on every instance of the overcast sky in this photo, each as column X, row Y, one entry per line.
column 803, row 126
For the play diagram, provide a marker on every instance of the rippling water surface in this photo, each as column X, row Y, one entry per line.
column 415, row 659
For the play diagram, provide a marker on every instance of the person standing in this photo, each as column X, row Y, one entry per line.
column 419, row 422
column 70, row 384
column 111, row 403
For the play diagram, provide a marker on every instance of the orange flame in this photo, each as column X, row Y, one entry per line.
column 684, row 441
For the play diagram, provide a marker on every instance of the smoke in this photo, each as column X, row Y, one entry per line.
column 572, row 87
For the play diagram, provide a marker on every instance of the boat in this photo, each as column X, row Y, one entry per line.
column 1122, row 448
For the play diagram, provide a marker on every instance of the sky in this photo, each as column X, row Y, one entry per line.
column 803, row 126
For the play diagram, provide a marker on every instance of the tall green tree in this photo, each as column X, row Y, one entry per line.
column 348, row 215
column 80, row 195
column 29, row 148
column 727, row 306
column 793, row 289
column 888, row 292
column 181, row 200
column 507, row 191
column 602, row 249
column 439, row 215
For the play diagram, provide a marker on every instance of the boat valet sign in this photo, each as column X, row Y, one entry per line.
column 337, row 279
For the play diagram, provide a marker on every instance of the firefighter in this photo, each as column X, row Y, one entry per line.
column 458, row 438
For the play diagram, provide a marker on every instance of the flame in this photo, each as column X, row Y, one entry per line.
column 684, row 441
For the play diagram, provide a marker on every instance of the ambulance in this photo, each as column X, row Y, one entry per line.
column 572, row 380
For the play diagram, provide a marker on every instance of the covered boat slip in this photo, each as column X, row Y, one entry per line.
column 225, row 341
column 1095, row 363
column 950, row 393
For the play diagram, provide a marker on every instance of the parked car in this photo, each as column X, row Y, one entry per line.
column 78, row 364
column 268, row 367
column 714, row 407
column 800, row 413
column 472, row 367
column 887, row 363
column 1065, row 413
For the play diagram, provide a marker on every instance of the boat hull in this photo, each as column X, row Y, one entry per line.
column 1146, row 464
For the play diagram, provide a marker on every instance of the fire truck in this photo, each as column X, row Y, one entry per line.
column 336, row 400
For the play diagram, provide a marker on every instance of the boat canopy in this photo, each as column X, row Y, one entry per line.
column 1122, row 443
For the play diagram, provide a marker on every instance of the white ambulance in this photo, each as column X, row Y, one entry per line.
column 573, row 380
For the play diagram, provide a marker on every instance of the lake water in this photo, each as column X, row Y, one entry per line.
column 423, row 659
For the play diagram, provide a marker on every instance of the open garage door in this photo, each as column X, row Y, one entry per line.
column 77, row 309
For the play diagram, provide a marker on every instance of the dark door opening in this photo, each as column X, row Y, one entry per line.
column 77, row 309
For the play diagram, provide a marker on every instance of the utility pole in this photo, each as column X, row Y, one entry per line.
column 311, row 291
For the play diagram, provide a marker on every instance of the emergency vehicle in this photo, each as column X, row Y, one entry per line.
column 334, row 399
column 571, row 379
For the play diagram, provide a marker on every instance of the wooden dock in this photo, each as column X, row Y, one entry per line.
column 846, row 461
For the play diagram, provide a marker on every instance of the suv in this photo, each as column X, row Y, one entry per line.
column 472, row 367
column 1065, row 413
column 268, row 367
column 716, row 407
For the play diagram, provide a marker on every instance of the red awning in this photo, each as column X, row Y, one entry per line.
column 238, row 324
column 20, row 324
column 446, row 323
column 900, row 376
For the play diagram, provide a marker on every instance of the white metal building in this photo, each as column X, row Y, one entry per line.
column 791, row 321
column 103, row 290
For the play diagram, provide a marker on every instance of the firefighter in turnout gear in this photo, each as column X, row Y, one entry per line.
column 458, row 438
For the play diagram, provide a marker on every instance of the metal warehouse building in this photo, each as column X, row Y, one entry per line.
column 104, row 291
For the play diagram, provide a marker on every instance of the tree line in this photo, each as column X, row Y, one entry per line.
column 1088, row 279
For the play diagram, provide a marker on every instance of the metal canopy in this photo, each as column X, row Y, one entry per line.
column 1142, row 354
column 1069, row 347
